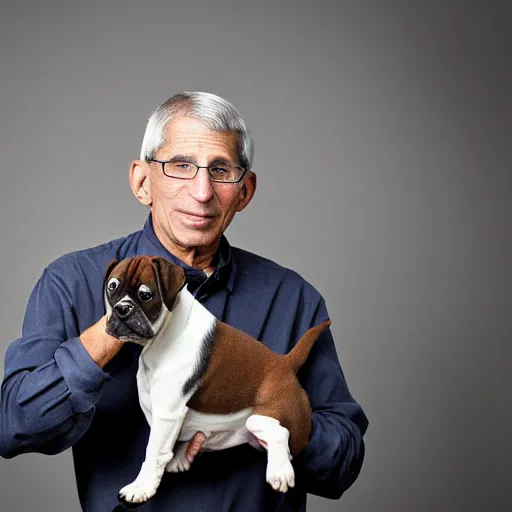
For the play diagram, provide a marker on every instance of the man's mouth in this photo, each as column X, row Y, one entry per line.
column 197, row 220
column 199, row 215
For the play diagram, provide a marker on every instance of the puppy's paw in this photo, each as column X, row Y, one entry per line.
column 136, row 492
column 179, row 462
column 280, row 475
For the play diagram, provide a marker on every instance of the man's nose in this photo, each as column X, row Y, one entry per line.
column 201, row 186
column 123, row 309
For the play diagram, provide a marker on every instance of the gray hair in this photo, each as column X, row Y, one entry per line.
column 215, row 112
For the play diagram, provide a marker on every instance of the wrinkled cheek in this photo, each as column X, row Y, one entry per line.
column 166, row 193
column 167, row 188
column 165, row 200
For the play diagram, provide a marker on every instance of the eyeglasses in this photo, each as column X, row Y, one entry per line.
column 220, row 173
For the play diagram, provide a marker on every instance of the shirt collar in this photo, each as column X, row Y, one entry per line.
column 225, row 266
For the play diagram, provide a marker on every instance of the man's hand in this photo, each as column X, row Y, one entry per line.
column 194, row 445
column 101, row 346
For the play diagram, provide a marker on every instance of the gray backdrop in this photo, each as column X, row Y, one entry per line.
column 382, row 134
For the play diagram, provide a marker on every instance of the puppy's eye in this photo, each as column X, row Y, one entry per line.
column 113, row 284
column 144, row 293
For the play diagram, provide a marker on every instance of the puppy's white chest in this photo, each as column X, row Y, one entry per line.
column 169, row 362
column 162, row 388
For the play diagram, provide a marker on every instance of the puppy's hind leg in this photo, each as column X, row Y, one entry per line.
column 274, row 437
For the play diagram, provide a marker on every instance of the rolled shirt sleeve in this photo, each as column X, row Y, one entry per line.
column 51, row 383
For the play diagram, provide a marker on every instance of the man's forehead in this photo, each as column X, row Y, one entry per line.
column 187, row 135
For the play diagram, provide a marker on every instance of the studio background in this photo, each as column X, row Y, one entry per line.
column 382, row 149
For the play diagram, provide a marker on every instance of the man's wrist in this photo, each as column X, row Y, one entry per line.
column 101, row 346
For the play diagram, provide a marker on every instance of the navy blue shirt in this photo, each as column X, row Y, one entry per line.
column 54, row 396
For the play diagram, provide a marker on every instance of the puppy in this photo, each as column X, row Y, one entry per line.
column 197, row 373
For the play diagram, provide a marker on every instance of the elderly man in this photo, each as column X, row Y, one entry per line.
column 69, row 384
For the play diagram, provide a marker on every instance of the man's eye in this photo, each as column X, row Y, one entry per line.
column 144, row 293
column 219, row 170
column 113, row 284
column 183, row 165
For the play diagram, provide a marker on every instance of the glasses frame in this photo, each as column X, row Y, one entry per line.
column 163, row 162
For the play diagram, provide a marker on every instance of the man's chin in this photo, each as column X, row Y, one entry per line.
column 196, row 237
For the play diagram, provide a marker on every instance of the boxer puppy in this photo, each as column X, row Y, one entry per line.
column 197, row 373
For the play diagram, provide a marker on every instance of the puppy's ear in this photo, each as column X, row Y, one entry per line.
column 110, row 267
column 170, row 279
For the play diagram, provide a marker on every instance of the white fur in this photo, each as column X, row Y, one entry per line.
column 221, row 431
column 280, row 474
column 165, row 365
column 108, row 307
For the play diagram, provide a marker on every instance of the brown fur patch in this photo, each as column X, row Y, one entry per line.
column 242, row 372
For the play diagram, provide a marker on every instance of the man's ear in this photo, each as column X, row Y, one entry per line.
column 247, row 191
column 140, row 181
column 170, row 279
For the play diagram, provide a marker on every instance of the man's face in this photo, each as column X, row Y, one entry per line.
column 195, row 212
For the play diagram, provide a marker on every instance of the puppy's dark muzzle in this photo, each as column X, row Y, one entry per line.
column 123, row 310
column 128, row 322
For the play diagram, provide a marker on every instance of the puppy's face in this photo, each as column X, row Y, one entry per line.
column 139, row 292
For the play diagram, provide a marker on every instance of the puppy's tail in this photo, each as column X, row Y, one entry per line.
column 297, row 356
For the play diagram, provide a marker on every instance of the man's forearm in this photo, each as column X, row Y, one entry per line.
column 333, row 458
column 331, row 462
column 47, row 408
column 53, row 376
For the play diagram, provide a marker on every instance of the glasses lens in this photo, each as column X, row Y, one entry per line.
column 226, row 173
column 180, row 169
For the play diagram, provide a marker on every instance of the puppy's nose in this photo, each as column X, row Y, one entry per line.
column 123, row 310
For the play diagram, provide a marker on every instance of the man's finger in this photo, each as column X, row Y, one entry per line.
column 194, row 445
